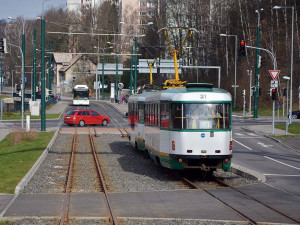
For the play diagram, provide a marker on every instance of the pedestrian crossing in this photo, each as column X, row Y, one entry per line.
column 246, row 135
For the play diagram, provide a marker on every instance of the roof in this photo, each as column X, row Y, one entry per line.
column 62, row 57
column 70, row 63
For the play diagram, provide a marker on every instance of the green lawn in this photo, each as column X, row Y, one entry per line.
column 16, row 160
column 17, row 116
column 294, row 128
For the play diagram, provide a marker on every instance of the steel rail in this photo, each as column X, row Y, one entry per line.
column 123, row 131
column 66, row 204
column 254, row 199
column 113, row 217
column 240, row 214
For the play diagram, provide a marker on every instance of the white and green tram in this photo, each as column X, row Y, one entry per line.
column 183, row 128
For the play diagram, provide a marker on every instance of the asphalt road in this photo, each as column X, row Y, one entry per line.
column 279, row 164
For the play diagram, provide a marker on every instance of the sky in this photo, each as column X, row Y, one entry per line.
column 29, row 9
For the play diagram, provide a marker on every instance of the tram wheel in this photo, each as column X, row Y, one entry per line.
column 81, row 123
column 104, row 123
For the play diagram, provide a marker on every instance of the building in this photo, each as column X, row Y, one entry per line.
column 72, row 69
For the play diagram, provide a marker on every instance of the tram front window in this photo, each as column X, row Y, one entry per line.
column 201, row 116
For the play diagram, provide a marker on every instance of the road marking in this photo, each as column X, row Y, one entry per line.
column 282, row 163
column 264, row 145
column 252, row 134
column 239, row 134
column 242, row 145
column 281, row 175
column 236, row 116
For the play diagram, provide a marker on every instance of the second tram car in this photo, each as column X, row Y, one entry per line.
column 182, row 128
column 81, row 95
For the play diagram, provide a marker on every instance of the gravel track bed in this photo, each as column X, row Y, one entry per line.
column 85, row 179
column 127, row 170
column 51, row 176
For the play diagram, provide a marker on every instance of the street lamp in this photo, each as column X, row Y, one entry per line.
column 235, row 62
column 135, row 44
column 292, row 54
column 102, row 72
column 287, row 97
column 23, row 71
column 256, row 67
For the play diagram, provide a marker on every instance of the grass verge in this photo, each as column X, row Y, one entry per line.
column 294, row 128
column 17, row 116
column 16, row 158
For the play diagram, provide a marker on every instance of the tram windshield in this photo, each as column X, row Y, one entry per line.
column 201, row 116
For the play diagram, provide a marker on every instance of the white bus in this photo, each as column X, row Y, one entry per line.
column 81, row 95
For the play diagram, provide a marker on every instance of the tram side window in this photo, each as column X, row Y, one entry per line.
column 177, row 116
column 164, row 115
column 141, row 112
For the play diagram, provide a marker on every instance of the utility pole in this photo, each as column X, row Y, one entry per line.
column 135, row 63
column 50, row 70
column 34, row 67
column 102, row 96
column 117, row 79
column 43, row 113
column 256, row 65
column 131, row 63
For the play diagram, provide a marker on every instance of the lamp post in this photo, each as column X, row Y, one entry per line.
column 256, row 67
column 292, row 56
column 23, row 71
column 12, row 83
column 102, row 72
column 235, row 62
column 135, row 45
column 287, row 97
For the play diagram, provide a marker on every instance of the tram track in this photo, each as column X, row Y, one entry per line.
column 234, row 209
column 70, row 180
column 124, row 133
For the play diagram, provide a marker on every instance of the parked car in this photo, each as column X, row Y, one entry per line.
column 86, row 116
column 295, row 114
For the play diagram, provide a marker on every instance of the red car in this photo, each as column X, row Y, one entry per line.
column 87, row 116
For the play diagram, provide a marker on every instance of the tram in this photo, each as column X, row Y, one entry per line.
column 183, row 128
column 81, row 95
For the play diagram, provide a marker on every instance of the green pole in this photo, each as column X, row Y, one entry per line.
column 23, row 77
column 50, row 71
column 43, row 113
column 34, row 67
column 102, row 90
column 256, row 72
column 131, row 62
column 1, row 70
column 117, row 79
column 135, row 63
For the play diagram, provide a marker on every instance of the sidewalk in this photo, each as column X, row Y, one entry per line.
column 60, row 107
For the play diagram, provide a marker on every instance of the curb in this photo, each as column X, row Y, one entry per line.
column 35, row 167
column 247, row 173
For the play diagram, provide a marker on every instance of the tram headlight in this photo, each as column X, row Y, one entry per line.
column 173, row 145
column 230, row 145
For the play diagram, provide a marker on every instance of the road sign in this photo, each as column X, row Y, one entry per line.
column 234, row 85
column 274, row 83
column 274, row 73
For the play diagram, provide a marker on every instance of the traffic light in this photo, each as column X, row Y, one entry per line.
column 274, row 94
column 262, row 61
column 284, row 91
column 242, row 48
column 259, row 91
column 3, row 48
